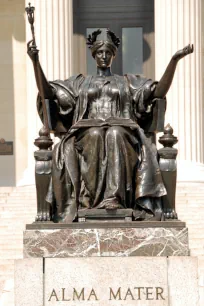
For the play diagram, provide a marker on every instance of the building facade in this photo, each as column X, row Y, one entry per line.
column 63, row 53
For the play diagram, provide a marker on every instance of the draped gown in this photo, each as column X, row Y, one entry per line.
column 104, row 160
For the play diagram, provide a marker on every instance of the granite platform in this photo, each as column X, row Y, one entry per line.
column 145, row 238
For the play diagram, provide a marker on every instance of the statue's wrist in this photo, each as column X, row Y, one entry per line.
column 175, row 58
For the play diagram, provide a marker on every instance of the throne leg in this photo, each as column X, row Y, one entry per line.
column 168, row 167
column 43, row 167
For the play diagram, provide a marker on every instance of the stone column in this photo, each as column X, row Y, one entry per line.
column 54, row 36
column 178, row 23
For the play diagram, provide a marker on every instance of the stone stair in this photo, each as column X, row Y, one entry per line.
column 18, row 207
column 190, row 208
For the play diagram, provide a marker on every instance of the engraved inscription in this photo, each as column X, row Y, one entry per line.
column 117, row 294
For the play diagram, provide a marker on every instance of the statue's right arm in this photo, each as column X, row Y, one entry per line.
column 165, row 82
column 45, row 89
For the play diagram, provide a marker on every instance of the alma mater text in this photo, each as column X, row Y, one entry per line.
column 83, row 294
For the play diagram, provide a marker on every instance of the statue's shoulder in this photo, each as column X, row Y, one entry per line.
column 75, row 78
column 132, row 78
column 136, row 80
column 71, row 80
column 70, row 85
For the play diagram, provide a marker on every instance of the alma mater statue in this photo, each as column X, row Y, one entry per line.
column 104, row 160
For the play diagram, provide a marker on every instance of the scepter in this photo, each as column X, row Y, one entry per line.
column 31, row 18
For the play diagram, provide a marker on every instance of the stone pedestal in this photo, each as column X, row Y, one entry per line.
column 106, row 263
column 106, row 239
column 126, row 281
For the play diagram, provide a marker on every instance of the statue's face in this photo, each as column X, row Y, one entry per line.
column 104, row 57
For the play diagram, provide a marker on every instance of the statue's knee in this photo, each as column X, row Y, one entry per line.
column 114, row 131
column 96, row 132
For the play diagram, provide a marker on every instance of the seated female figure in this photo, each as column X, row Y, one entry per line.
column 104, row 160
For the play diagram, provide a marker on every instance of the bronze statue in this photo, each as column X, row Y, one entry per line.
column 104, row 160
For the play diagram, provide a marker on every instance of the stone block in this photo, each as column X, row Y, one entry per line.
column 183, row 281
column 29, row 282
column 85, row 241
column 138, row 281
column 103, row 281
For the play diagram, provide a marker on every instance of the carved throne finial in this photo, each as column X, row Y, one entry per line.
column 44, row 142
column 168, row 140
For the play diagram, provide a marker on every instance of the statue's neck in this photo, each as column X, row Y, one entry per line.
column 104, row 71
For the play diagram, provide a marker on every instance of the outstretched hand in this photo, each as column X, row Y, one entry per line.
column 185, row 51
column 32, row 51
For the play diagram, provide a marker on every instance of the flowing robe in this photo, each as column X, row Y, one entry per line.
column 104, row 160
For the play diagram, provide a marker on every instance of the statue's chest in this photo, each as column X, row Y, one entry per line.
column 103, row 98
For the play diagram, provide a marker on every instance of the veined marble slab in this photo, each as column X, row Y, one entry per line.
column 84, row 242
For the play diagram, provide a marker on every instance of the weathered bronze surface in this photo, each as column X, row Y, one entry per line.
column 106, row 158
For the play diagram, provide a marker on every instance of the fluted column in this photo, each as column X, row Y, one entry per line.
column 178, row 23
column 54, row 36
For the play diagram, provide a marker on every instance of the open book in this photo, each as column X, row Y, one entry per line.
column 111, row 121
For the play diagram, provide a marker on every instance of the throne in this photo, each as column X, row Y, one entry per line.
column 152, row 124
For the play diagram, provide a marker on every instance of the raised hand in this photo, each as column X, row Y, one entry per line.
column 182, row 53
column 32, row 51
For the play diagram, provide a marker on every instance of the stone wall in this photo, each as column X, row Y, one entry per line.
column 13, row 121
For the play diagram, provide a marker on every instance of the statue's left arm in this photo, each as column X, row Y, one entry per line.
column 164, row 84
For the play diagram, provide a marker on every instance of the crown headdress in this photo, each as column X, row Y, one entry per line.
column 103, row 35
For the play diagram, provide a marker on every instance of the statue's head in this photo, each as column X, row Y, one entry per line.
column 103, row 45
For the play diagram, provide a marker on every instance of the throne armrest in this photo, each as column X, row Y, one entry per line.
column 155, row 122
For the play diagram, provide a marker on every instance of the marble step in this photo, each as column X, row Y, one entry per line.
column 23, row 212
column 11, row 230
column 6, row 189
column 194, row 217
column 15, row 224
column 11, row 240
column 3, row 196
column 22, row 201
column 194, row 231
column 195, row 243
column 15, row 215
column 7, row 249
column 195, row 236
column 196, row 252
column 12, row 247
column 7, row 282
column 194, row 223
column 11, row 254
